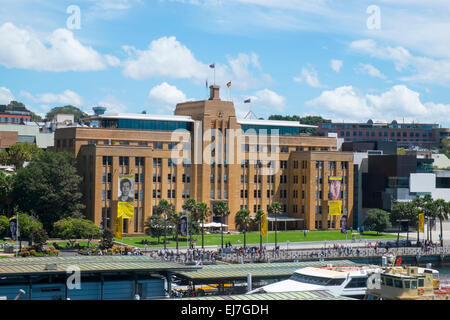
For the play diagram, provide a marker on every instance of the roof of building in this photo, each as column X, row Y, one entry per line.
column 278, row 123
column 53, row 265
column 299, row 295
column 143, row 116
column 221, row 273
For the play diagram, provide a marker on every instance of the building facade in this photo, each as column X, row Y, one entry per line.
column 204, row 152
column 425, row 135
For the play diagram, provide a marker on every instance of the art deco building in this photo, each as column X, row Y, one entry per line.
column 204, row 152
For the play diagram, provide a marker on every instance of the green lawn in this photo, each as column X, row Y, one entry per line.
column 253, row 238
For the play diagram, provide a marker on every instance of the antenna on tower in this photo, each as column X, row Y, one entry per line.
column 250, row 114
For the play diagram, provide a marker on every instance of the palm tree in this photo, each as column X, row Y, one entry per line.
column 190, row 205
column 203, row 212
column 442, row 209
column 243, row 222
column 275, row 210
column 176, row 220
column 430, row 211
column 220, row 209
column 419, row 204
column 165, row 209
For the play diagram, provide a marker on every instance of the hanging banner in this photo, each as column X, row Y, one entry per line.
column 125, row 207
column 264, row 224
column 344, row 224
column 119, row 228
column 335, row 196
column 421, row 222
column 183, row 226
column 13, row 228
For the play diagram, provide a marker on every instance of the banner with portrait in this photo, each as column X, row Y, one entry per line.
column 335, row 196
column 183, row 226
column 125, row 207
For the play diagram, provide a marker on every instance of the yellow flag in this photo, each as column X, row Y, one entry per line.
column 264, row 224
column 421, row 222
column 119, row 227
column 125, row 209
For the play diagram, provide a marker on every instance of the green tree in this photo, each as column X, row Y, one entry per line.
column 165, row 209
column 377, row 220
column 221, row 210
column 202, row 212
column 49, row 186
column 154, row 226
column 190, row 206
column 72, row 229
column 107, row 239
column 18, row 154
column 275, row 210
column 32, row 229
column 19, row 105
column 69, row 109
column 309, row 120
column 243, row 221
column 6, row 187
column 443, row 211
column 430, row 210
column 257, row 222
column 4, row 226
column 176, row 221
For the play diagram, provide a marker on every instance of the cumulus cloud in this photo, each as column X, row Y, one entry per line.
column 6, row 95
column 422, row 69
column 309, row 75
column 398, row 102
column 262, row 102
column 113, row 104
column 66, row 97
column 166, row 96
column 336, row 65
column 370, row 70
column 23, row 49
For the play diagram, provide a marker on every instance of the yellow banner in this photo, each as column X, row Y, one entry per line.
column 125, row 210
column 119, row 228
column 421, row 222
column 264, row 225
column 334, row 207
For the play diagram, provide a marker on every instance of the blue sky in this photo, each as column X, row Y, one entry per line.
column 346, row 60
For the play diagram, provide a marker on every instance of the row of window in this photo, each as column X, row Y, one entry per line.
column 385, row 134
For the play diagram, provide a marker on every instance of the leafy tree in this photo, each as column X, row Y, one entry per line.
column 309, row 120
column 72, row 229
column 175, row 219
column 190, row 206
column 275, row 210
column 69, row 109
column 15, row 104
column 18, row 154
column 165, row 209
column 243, row 221
column 4, row 226
column 402, row 211
column 154, row 226
column 107, row 239
column 377, row 219
column 443, row 211
column 6, row 186
column 220, row 209
column 202, row 212
column 49, row 186
column 445, row 147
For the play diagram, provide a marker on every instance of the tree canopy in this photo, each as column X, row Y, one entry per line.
column 49, row 186
column 377, row 220
column 18, row 154
column 68, row 109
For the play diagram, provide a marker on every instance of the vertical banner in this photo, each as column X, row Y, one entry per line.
column 334, row 196
column 125, row 207
column 264, row 224
column 183, row 226
column 13, row 228
column 344, row 224
column 421, row 222
column 119, row 227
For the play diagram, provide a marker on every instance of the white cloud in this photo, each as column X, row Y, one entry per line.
column 310, row 77
column 396, row 103
column 23, row 49
column 164, row 57
column 112, row 104
column 166, row 96
column 336, row 65
column 6, row 95
column 370, row 70
column 67, row 97
column 422, row 69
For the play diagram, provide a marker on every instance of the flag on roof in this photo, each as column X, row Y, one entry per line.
column 248, row 100
column 212, row 66
column 229, row 84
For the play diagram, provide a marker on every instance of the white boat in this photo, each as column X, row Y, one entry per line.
column 349, row 281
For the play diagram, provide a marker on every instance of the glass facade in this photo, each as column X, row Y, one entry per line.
column 138, row 124
column 275, row 130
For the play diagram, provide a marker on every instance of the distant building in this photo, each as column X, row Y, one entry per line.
column 30, row 132
column 147, row 147
column 407, row 135
column 387, row 147
column 14, row 115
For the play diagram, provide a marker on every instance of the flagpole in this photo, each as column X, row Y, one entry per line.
column 214, row 73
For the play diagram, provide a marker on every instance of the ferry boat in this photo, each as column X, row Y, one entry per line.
column 408, row 283
column 348, row 281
